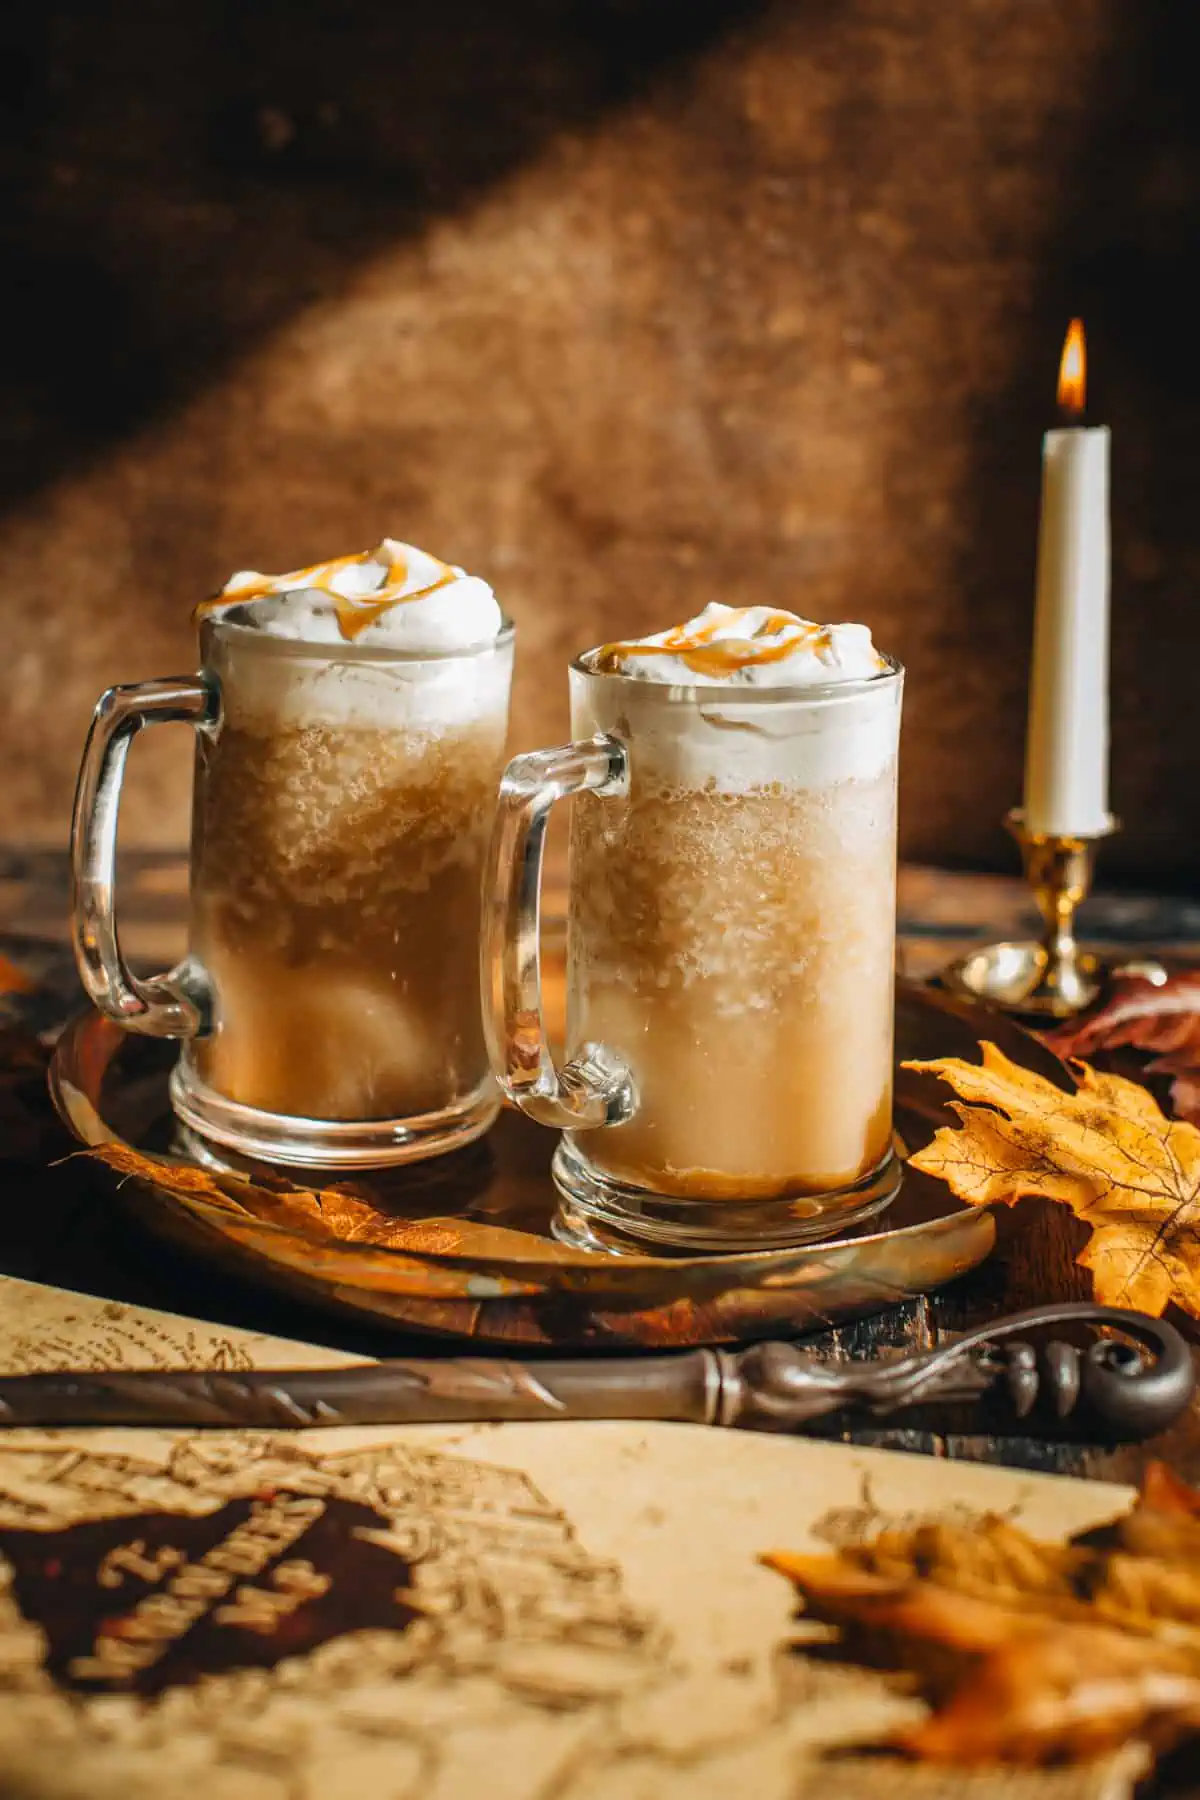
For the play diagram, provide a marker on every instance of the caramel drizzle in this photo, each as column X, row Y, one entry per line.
column 704, row 653
column 353, row 615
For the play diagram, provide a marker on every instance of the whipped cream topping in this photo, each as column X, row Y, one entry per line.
column 744, row 646
column 766, row 699
column 395, row 597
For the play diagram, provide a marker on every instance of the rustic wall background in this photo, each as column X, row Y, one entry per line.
column 627, row 304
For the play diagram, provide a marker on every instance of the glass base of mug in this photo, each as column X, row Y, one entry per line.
column 597, row 1212
column 213, row 1123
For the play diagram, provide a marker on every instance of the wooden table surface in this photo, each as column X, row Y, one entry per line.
column 58, row 1224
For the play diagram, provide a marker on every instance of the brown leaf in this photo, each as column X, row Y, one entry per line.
column 1149, row 1591
column 1141, row 1015
column 1148, row 1015
column 1061, row 1693
column 1106, row 1151
column 185, row 1178
column 336, row 1212
column 1163, row 1491
column 1029, row 1653
column 895, row 1610
column 423, row 1225
column 1009, row 1685
column 1164, row 1523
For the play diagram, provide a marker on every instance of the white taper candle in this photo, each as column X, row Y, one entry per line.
column 1066, row 759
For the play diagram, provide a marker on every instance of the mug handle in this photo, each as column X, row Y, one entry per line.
column 595, row 1087
column 175, row 1005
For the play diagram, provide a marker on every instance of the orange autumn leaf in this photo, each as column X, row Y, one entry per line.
column 1027, row 1653
column 327, row 1213
column 1006, row 1684
column 1061, row 1693
column 1105, row 1151
column 1164, row 1526
column 897, row 1607
column 1163, row 1491
column 1141, row 1582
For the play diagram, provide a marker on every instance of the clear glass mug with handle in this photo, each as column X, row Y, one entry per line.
column 328, row 1004
column 730, row 959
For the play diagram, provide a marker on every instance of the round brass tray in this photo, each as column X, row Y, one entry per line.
column 461, row 1245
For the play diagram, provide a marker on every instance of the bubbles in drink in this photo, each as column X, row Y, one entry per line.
column 341, row 820
column 733, row 918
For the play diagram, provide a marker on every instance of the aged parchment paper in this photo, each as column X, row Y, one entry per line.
column 524, row 1612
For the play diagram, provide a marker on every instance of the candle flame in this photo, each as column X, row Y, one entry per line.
column 1072, row 371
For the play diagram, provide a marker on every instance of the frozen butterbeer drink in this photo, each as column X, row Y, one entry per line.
column 731, row 932
column 342, row 809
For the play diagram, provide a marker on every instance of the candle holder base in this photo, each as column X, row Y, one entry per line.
column 1019, row 977
column 1053, row 978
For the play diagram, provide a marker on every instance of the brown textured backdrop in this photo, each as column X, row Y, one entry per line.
column 627, row 304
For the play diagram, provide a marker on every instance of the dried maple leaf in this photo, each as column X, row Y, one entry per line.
column 1142, row 1584
column 1106, row 1151
column 891, row 1619
column 1061, row 1693
column 1144, row 1015
column 1164, row 1524
column 341, row 1214
column 186, row 1178
column 1163, row 1491
column 1010, row 1678
column 1008, row 1685
column 336, row 1212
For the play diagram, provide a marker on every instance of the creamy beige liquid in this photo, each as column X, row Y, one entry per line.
column 336, row 907
column 736, row 949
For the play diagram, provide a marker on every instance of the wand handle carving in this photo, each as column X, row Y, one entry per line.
column 1121, row 1391
column 1118, row 1389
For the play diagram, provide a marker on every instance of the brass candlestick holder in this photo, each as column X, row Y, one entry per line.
column 1054, row 978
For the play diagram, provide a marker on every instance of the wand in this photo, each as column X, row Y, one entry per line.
column 1116, row 1388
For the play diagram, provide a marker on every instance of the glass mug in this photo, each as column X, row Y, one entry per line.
column 329, row 1003
column 730, row 959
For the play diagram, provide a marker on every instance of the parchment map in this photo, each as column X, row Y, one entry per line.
column 114, row 1336
column 516, row 1612
column 495, row 1610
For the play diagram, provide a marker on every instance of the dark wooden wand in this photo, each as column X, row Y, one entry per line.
column 1114, row 1387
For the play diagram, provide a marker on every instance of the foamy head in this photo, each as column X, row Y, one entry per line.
column 741, row 698
column 390, row 639
column 744, row 646
column 395, row 597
